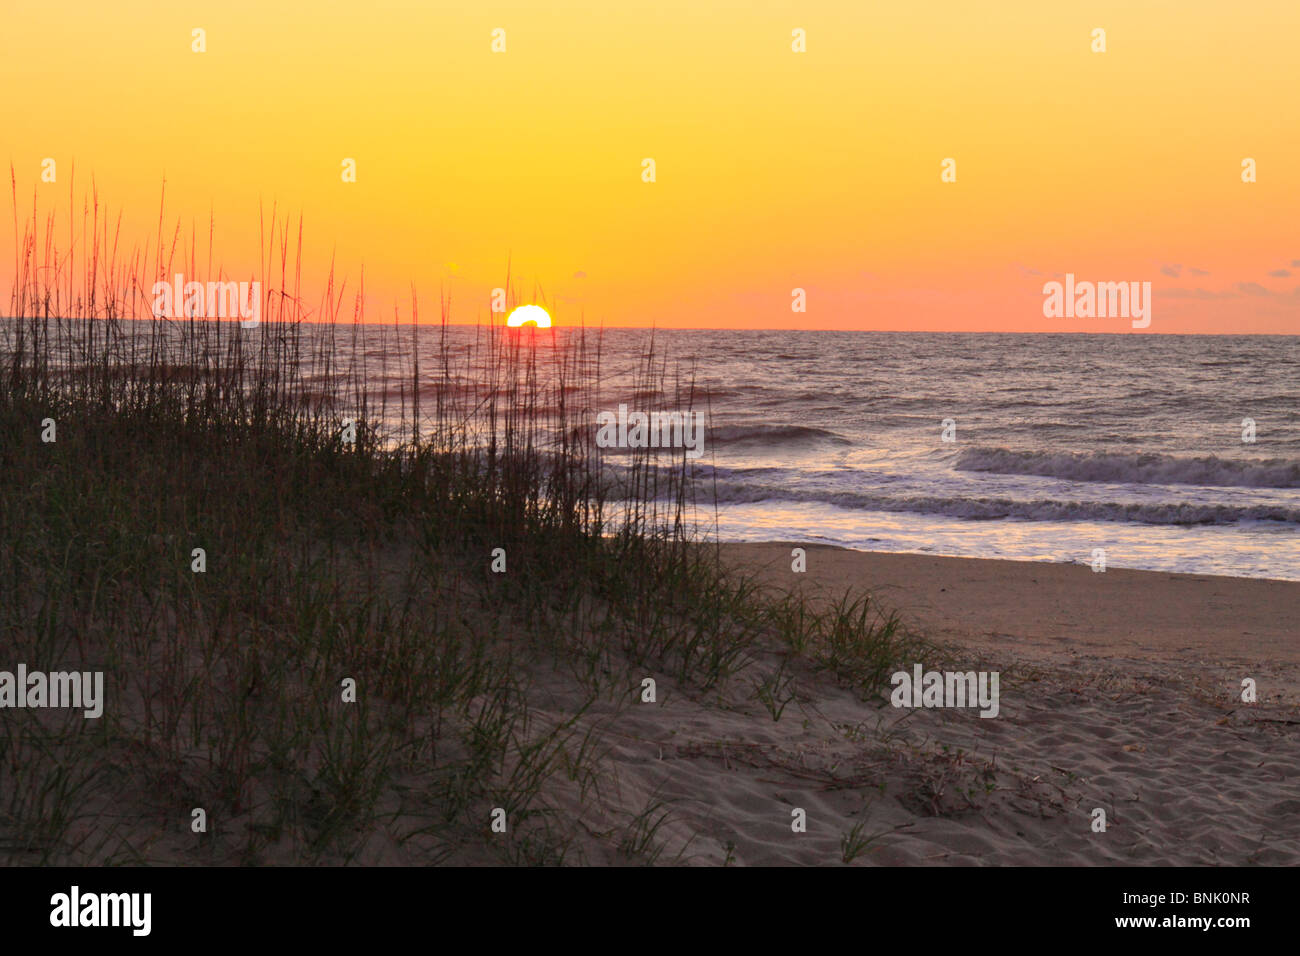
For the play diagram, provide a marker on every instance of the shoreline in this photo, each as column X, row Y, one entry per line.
column 1139, row 717
column 1048, row 611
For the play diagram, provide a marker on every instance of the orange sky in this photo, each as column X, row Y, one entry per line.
column 775, row 170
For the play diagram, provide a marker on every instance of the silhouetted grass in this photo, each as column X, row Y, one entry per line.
column 328, row 561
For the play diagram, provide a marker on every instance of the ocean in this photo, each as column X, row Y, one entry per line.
column 1061, row 444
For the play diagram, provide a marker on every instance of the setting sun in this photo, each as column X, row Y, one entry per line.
column 527, row 314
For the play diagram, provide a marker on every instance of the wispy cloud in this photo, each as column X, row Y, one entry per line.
column 1198, row 294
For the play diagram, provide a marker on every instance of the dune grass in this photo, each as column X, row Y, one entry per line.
column 341, row 675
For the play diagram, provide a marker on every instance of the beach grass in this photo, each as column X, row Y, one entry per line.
column 293, row 584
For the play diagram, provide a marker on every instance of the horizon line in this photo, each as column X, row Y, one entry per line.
column 671, row 328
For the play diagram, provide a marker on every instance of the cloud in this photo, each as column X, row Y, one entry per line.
column 1198, row 272
column 1252, row 288
column 1295, row 263
column 580, row 274
column 1197, row 294
column 1173, row 271
column 1280, row 274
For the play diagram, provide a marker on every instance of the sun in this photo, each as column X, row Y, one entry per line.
column 529, row 314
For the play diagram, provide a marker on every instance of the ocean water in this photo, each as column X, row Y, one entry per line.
column 1063, row 444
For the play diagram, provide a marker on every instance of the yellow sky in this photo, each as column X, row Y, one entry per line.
column 775, row 170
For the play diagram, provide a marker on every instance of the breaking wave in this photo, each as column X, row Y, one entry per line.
column 1148, row 469
column 990, row 508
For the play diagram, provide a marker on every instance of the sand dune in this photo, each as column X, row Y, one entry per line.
column 1120, row 691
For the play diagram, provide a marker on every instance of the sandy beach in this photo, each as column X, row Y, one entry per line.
column 1120, row 691
column 1066, row 614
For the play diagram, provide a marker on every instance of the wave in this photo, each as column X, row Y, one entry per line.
column 773, row 434
column 1152, row 469
column 990, row 509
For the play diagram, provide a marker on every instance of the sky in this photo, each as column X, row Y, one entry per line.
column 774, row 170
